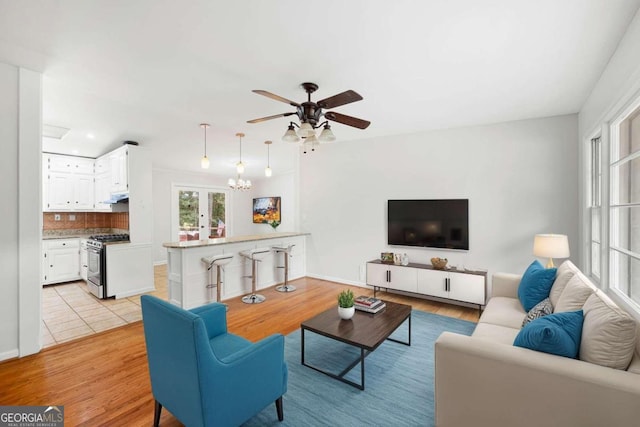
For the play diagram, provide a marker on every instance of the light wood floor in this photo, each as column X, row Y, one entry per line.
column 103, row 379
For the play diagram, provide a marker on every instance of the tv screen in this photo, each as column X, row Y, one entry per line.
column 429, row 223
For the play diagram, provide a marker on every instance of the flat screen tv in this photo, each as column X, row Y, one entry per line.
column 429, row 223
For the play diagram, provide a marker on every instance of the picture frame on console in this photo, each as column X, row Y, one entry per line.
column 386, row 257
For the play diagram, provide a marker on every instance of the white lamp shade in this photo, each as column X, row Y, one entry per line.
column 231, row 182
column 240, row 167
column 267, row 171
column 290, row 136
column 327, row 135
column 306, row 130
column 204, row 162
column 551, row 246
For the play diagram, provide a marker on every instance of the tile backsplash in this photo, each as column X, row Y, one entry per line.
column 85, row 220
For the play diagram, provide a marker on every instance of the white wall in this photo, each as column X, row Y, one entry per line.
column 618, row 85
column 520, row 179
column 20, row 124
column 240, row 212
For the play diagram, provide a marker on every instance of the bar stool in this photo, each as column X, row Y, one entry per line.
column 286, row 251
column 256, row 256
column 219, row 261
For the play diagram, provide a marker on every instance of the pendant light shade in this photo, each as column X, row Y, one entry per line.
column 239, row 183
column 204, row 162
column 267, row 171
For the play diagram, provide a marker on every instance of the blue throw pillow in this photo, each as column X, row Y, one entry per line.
column 535, row 284
column 557, row 333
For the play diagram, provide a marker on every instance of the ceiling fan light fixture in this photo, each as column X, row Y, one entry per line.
column 290, row 135
column 312, row 142
column 327, row 134
column 306, row 130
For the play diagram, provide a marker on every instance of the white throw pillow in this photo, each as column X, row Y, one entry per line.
column 574, row 295
column 563, row 275
column 608, row 333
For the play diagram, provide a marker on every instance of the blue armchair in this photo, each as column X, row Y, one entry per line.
column 204, row 375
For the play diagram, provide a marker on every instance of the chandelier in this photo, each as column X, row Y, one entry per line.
column 239, row 183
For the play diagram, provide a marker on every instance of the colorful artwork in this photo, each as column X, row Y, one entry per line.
column 266, row 210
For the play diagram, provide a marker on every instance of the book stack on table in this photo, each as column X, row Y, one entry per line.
column 369, row 304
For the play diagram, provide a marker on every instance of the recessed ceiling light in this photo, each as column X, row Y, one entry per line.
column 90, row 136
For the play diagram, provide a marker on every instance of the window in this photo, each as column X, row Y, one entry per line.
column 624, row 207
column 200, row 213
column 595, row 208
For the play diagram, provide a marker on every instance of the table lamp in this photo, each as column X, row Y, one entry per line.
column 551, row 246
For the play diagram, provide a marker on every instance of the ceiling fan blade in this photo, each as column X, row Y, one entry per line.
column 263, row 119
column 276, row 97
column 347, row 120
column 346, row 97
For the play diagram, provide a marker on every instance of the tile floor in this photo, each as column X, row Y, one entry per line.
column 69, row 311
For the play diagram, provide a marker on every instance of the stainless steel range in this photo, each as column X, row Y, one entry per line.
column 97, row 261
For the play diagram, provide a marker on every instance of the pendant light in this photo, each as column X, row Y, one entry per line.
column 240, row 165
column 267, row 170
column 204, row 162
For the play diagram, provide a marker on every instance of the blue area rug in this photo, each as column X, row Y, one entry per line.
column 398, row 379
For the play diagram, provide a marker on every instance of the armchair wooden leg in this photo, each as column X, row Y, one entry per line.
column 279, row 409
column 156, row 415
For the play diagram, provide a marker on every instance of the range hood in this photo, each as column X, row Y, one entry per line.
column 117, row 198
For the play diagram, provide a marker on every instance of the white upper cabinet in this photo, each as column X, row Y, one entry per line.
column 102, row 183
column 119, row 170
column 68, row 183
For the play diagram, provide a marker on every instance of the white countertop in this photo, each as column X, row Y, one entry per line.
column 226, row 240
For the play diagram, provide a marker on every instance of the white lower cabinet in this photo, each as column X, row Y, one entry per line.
column 392, row 277
column 469, row 287
column 84, row 260
column 61, row 260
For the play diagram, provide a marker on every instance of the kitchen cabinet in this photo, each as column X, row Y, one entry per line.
column 464, row 286
column 84, row 260
column 119, row 170
column 61, row 260
column 68, row 183
column 102, row 184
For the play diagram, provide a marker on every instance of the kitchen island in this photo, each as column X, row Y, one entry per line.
column 188, row 277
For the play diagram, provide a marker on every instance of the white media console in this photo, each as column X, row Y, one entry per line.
column 464, row 286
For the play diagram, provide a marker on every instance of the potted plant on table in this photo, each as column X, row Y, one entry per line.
column 274, row 224
column 346, row 308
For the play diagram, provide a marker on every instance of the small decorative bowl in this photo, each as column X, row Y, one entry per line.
column 439, row 263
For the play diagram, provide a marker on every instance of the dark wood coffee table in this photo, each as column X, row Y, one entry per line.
column 365, row 331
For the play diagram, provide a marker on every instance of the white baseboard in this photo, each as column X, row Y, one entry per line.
column 337, row 280
column 9, row 354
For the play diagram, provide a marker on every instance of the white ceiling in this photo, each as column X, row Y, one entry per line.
column 151, row 71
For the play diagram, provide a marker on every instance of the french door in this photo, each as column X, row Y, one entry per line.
column 199, row 213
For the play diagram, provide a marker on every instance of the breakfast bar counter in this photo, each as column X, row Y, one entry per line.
column 189, row 280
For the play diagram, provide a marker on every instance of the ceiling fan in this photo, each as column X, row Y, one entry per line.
column 310, row 114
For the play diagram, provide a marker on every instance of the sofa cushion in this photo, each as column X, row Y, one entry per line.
column 535, row 284
column 634, row 366
column 495, row 333
column 503, row 311
column 575, row 294
column 565, row 272
column 608, row 334
column 557, row 333
column 541, row 309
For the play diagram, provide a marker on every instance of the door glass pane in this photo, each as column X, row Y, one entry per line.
column 216, row 204
column 595, row 259
column 188, row 211
column 626, row 178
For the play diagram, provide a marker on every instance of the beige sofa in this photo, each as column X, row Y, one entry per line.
column 483, row 380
